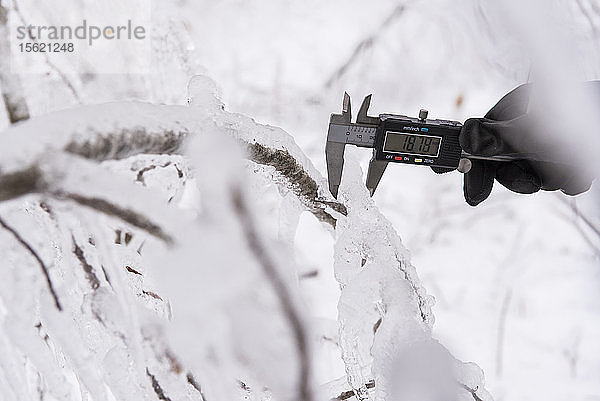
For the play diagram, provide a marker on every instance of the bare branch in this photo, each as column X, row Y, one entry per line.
column 584, row 218
column 37, row 258
column 572, row 205
column 365, row 44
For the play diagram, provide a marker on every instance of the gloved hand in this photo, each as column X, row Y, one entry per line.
column 507, row 130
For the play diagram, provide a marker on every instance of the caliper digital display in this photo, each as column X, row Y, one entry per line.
column 402, row 139
column 414, row 144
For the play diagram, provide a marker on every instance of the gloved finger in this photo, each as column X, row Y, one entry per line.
column 518, row 176
column 578, row 183
column 441, row 170
column 485, row 137
column 478, row 182
column 512, row 105
column 553, row 176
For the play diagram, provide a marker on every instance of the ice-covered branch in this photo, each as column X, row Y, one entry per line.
column 385, row 313
column 119, row 130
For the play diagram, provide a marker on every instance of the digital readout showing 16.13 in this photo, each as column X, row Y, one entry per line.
column 424, row 145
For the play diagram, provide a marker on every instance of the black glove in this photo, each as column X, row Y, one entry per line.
column 507, row 130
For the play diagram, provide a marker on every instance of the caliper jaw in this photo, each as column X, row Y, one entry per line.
column 362, row 133
column 334, row 149
column 375, row 172
column 376, row 167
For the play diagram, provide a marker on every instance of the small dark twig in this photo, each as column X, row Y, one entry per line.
column 132, row 270
column 471, row 390
column 140, row 174
column 157, row 388
column 87, row 268
column 106, row 276
column 37, row 257
column 152, row 294
column 349, row 394
column 192, row 381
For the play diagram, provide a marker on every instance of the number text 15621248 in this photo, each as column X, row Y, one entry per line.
column 44, row 47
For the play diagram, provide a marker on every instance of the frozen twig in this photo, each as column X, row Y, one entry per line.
column 472, row 391
column 304, row 185
column 37, row 257
column 287, row 304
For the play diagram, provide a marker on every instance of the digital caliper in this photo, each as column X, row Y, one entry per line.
column 396, row 139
